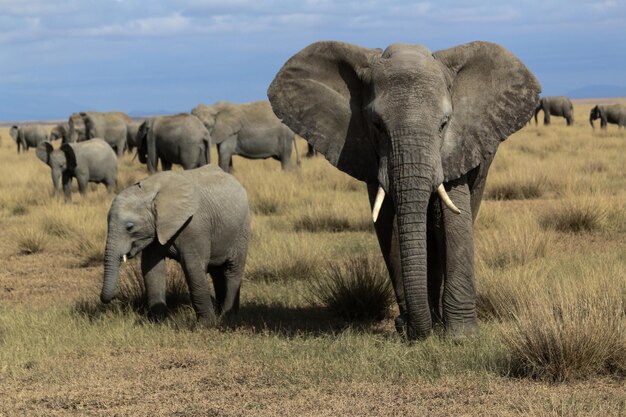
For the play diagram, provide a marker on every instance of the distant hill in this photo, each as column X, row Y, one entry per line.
column 598, row 91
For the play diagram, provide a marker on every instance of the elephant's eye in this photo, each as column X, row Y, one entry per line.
column 444, row 124
column 130, row 226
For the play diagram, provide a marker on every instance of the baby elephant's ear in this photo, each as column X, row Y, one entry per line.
column 43, row 151
column 176, row 201
column 70, row 155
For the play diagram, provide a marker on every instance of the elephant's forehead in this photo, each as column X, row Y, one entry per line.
column 397, row 49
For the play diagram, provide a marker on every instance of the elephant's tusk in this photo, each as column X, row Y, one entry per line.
column 380, row 196
column 124, row 258
column 446, row 200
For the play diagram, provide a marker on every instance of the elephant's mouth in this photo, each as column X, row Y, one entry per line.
column 441, row 192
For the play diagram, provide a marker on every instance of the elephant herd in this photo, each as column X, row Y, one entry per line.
column 420, row 128
column 250, row 130
column 561, row 106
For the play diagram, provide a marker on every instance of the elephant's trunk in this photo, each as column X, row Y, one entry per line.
column 591, row 119
column 414, row 171
column 113, row 256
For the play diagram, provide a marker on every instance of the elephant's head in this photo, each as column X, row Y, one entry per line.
column 154, row 208
column 595, row 113
column 59, row 132
column 14, row 132
column 77, row 129
column 221, row 120
column 406, row 119
column 206, row 114
column 146, row 149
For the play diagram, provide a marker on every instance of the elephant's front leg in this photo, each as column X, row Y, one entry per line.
column 195, row 272
column 387, row 233
column 459, row 294
column 154, row 276
column 66, row 180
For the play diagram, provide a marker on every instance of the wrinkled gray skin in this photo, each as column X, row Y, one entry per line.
column 60, row 132
column 614, row 113
column 131, row 135
column 178, row 139
column 199, row 218
column 250, row 130
column 407, row 120
column 110, row 126
column 88, row 161
column 28, row 136
column 555, row 106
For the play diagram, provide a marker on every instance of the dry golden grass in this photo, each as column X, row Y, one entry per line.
column 550, row 272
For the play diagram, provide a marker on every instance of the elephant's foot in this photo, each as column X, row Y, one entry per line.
column 229, row 320
column 460, row 332
column 157, row 313
column 207, row 321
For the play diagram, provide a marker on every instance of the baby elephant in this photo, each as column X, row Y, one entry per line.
column 89, row 161
column 198, row 217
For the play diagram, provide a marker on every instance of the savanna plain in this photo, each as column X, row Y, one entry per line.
column 550, row 272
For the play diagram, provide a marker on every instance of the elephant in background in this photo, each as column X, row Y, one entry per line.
column 29, row 136
column 421, row 129
column 614, row 113
column 200, row 218
column 92, row 160
column 110, row 126
column 555, row 106
column 178, row 139
column 250, row 130
column 60, row 132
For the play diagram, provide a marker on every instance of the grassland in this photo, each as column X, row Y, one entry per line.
column 551, row 276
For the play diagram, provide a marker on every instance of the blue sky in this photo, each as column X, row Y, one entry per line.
column 167, row 56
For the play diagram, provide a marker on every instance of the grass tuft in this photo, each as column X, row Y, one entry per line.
column 512, row 246
column 520, row 188
column 31, row 240
column 355, row 289
column 575, row 217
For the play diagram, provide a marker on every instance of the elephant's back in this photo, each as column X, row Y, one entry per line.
column 220, row 190
column 95, row 151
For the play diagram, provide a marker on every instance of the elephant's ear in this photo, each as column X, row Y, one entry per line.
column 70, row 156
column 319, row 93
column 176, row 200
column 43, row 151
column 493, row 95
column 140, row 140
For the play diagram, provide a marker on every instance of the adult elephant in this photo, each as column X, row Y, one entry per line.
column 560, row 106
column 29, row 136
column 60, row 132
column 614, row 113
column 250, row 130
column 421, row 129
column 110, row 126
column 178, row 139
